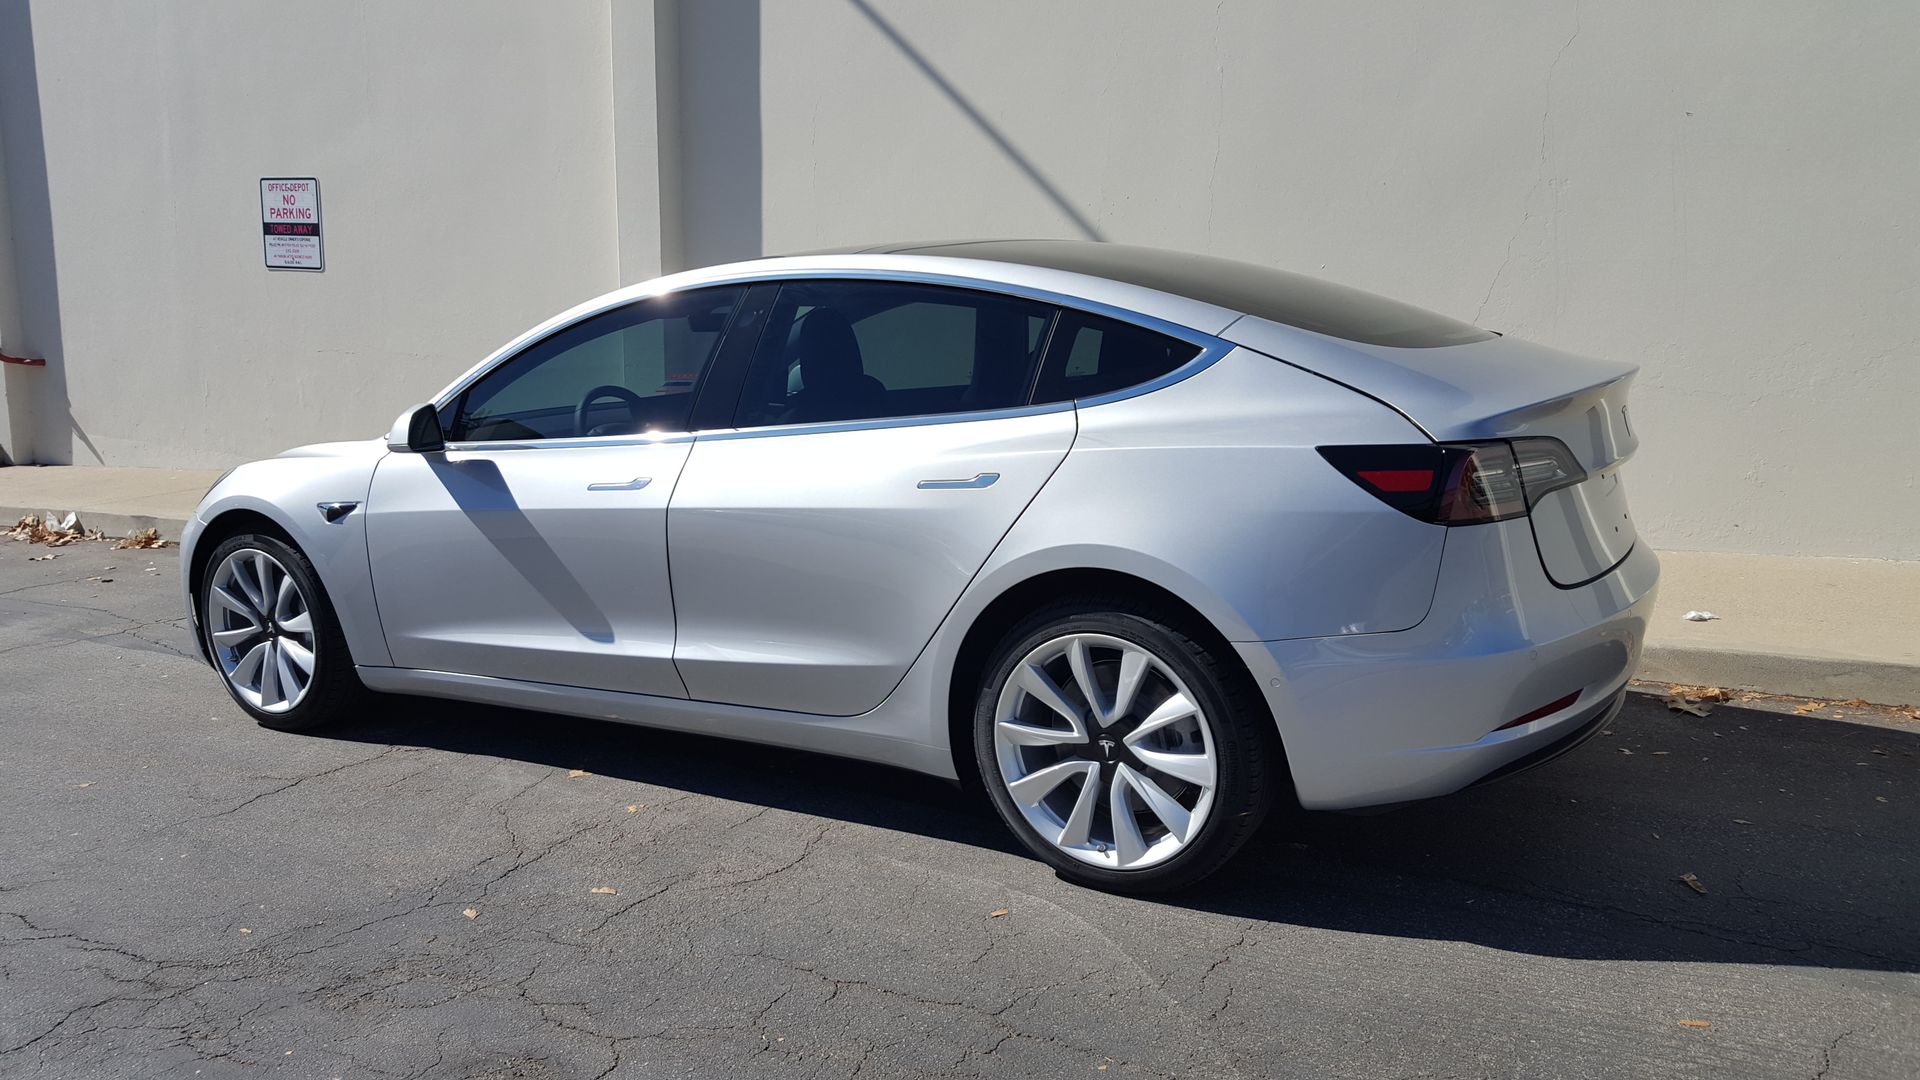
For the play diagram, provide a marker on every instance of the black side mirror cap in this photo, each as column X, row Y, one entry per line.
column 417, row 431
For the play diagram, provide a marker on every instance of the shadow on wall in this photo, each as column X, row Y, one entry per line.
column 1081, row 224
column 1804, row 865
column 37, row 401
column 721, row 161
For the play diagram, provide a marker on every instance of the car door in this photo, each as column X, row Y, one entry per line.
column 883, row 446
column 534, row 546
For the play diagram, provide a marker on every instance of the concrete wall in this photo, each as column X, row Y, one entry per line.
column 1725, row 194
column 465, row 161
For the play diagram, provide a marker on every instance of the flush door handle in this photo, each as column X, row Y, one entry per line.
column 634, row 484
column 979, row 480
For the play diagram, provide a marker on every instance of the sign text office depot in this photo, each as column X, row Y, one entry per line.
column 290, row 222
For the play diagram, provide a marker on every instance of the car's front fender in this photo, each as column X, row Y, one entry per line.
column 288, row 490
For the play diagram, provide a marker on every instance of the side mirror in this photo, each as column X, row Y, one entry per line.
column 417, row 431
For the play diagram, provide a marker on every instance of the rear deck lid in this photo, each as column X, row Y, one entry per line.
column 1501, row 388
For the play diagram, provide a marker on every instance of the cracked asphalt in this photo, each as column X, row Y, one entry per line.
column 449, row 891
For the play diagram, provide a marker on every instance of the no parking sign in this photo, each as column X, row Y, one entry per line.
column 290, row 222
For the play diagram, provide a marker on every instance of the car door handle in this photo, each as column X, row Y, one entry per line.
column 979, row 480
column 634, row 484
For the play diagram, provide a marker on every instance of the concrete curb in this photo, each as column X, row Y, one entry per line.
column 114, row 525
column 1880, row 682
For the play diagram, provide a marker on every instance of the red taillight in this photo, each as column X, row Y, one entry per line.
column 1545, row 710
column 1397, row 481
column 1460, row 483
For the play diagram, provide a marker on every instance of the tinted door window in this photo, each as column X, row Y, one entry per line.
column 1093, row 355
column 640, row 364
column 859, row 350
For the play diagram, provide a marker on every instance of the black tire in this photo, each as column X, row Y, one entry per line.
column 1250, row 764
column 335, row 692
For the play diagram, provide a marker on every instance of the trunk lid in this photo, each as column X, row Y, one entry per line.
column 1498, row 389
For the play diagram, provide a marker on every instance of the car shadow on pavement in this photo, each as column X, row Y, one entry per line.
column 1741, row 837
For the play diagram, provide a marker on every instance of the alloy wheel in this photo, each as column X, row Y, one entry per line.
column 260, row 629
column 1105, row 751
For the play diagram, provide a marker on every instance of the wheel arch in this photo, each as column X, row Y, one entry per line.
column 223, row 526
column 337, row 553
column 1014, row 602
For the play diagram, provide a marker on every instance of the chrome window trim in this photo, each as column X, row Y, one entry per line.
column 576, row 442
column 1212, row 348
column 923, row 420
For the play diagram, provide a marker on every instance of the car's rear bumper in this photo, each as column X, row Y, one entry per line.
column 1371, row 719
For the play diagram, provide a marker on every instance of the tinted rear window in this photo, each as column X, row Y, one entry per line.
column 1091, row 355
column 1261, row 291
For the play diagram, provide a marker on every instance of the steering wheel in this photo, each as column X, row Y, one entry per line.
column 608, row 391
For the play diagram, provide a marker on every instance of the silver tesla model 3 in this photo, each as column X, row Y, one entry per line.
column 1143, row 542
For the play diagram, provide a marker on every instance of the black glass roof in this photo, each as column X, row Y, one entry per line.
column 1277, row 295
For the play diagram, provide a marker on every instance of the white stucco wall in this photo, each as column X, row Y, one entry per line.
column 464, row 154
column 1722, row 194
column 1725, row 194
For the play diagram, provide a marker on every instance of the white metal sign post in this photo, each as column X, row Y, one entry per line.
column 290, row 222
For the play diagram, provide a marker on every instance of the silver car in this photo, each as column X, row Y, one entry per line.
column 1142, row 542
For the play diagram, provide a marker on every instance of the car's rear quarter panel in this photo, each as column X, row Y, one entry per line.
column 1212, row 489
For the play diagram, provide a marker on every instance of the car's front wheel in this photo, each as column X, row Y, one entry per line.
column 1120, row 749
column 273, row 636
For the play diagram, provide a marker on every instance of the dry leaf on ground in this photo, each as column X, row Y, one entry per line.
column 145, row 538
column 1682, row 706
column 1696, row 1023
column 996, row 912
column 578, row 772
column 1693, row 883
column 471, row 914
column 1710, row 694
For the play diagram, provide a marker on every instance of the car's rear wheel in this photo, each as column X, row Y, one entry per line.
column 273, row 636
column 1119, row 749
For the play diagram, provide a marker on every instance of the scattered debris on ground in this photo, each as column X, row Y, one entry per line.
column 54, row 530
column 1700, row 700
column 1700, row 616
column 1697, row 700
column 1693, row 883
column 51, row 530
column 145, row 538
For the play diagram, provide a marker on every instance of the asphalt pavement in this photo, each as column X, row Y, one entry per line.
column 449, row 891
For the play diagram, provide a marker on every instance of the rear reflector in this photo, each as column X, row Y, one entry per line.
column 1397, row 481
column 1459, row 483
column 1544, row 710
